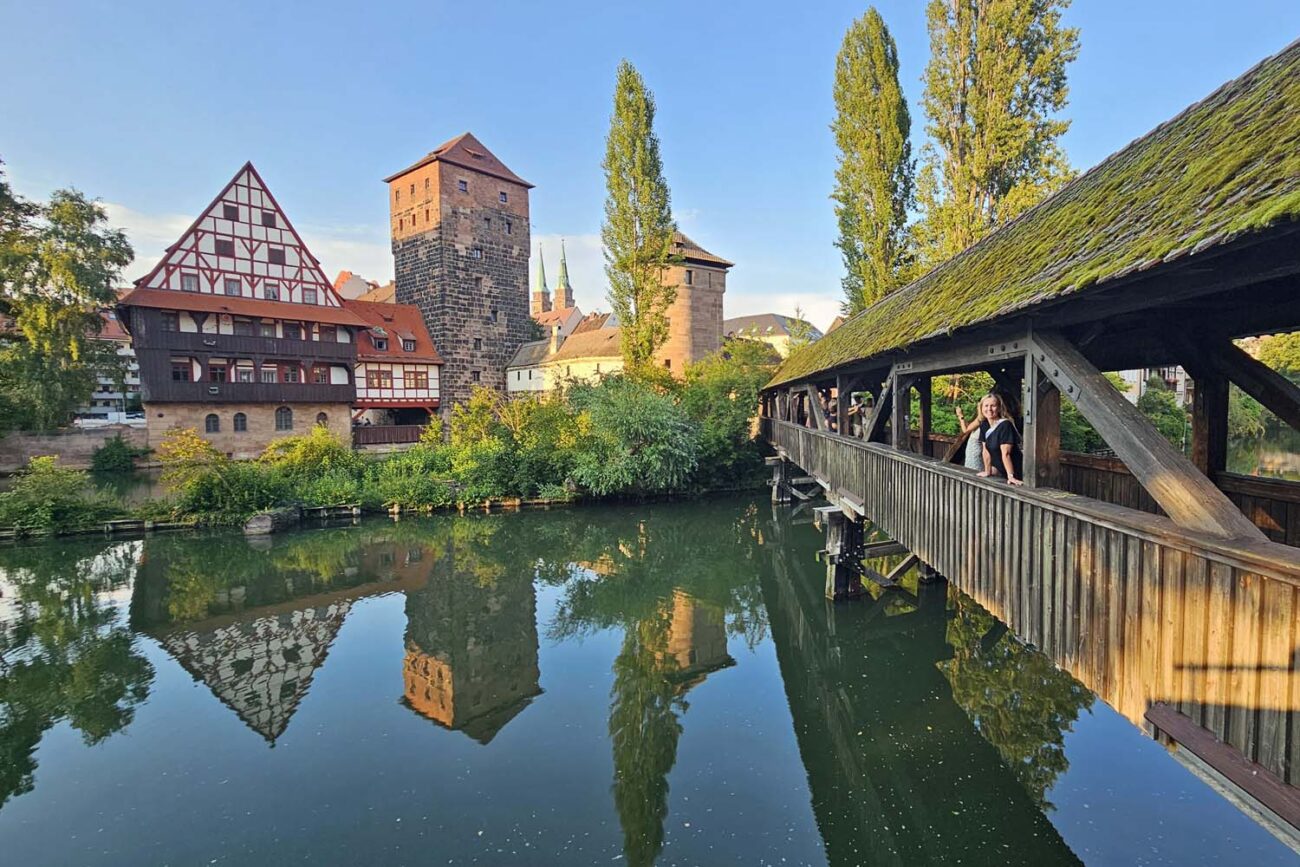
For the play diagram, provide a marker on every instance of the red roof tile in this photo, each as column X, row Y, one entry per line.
column 399, row 321
column 202, row 302
column 467, row 152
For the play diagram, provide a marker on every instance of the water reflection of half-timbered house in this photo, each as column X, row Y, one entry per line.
column 238, row 332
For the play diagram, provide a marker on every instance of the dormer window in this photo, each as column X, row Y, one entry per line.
column 225, row 247
column 381, row 343
column 408, row 345
column 463, row 186
column 268, row 219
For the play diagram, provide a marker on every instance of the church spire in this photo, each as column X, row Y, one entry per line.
column 541, row 300
column 563, row 291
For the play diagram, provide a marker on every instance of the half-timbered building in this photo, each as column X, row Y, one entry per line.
column 238, row 332
column 397, row 365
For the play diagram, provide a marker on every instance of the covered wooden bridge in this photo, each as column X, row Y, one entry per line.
column 1163, row 582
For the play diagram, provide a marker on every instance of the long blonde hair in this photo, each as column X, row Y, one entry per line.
column 1001, row 404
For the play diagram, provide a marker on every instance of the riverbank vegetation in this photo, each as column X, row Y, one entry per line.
column 621, row 437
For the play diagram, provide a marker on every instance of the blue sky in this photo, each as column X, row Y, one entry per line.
column 152, row 106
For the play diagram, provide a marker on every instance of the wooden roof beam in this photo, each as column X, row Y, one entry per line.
column 1189, row 498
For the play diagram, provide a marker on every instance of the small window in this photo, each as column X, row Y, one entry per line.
column 487, row 222
column 320, row 375
column 243, row 327
column 397, row 195
column 241, row 422
column 328, row 334
column 478, row 344
column 189, row 282
column 494, row 315
column 400, row 225
column 417, row 379
column 225, row 247
column 211, row 424
column 268, row 219
column 379, row 378
column 474, row 376
column 292, row 373
column 230, row 212
column 266, row 329
column 271, row 291
column 232, row 286
column 308, row 295
column 668, row 362
column 270, row 373
column 463, row 186
column 426, row 185
column 171, row 321
column 322, row 419
column 284, row 418
column 243, row 374
column 381, row 343
column 216, row 373
column 690, row 277
column 412, row 189
column 292, row 331
column 504, row 198
column 426, row 215
column 181, row 371
column 476, row 253
column 275, row 255
column 408, row 345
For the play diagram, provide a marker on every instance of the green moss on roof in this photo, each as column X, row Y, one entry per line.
column 1227, row 166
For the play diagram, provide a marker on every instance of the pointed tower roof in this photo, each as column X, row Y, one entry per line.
column 539, row 279
column 242, row 237
column 468, row 153
column 562, row 284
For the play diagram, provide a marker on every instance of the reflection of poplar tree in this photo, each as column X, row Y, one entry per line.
column 644, row 728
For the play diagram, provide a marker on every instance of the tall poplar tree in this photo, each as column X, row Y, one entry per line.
column 873, row 181
column 638, row 230
column 994, row 85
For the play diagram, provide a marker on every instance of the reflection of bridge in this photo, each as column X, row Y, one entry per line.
column 898, row 772
column 1166, row 588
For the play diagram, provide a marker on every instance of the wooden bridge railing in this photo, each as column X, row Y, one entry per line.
column 386, row 434
column 1139, row 610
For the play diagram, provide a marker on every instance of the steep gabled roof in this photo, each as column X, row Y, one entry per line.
column 1227, row 167
column 399, row 322
column 693, row 252
column 602, row 343
column 198, row 252
column 468, row 153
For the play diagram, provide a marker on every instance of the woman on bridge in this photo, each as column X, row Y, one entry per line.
column 974, row 433
column 1002, row 456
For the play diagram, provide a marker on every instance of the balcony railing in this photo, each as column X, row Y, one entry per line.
column 386, row 434
column 246, row 345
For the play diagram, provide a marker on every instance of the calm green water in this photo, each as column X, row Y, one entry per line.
column 651, row 684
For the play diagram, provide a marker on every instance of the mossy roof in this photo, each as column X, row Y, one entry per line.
column 1226, row 167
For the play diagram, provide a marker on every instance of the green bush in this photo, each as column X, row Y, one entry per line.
column 116, row 456
column 721, row 395
column 409, row 479
column 234, row 493
column 1161, row 407
column 50, row 497
column 315, row 452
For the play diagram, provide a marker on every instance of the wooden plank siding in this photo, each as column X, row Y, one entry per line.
column 1138, row 610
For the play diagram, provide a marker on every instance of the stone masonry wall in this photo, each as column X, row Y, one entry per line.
column 74, row 448
column 463, row 270
column 695, row 317
column 248, row 444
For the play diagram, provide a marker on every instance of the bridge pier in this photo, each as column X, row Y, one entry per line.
column 843, row 553
column 780, row 479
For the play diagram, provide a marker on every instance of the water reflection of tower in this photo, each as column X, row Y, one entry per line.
column 471, row 650
column 697, row 641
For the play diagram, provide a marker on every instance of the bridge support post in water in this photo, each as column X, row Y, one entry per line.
column 780, row 479
column 843, row 553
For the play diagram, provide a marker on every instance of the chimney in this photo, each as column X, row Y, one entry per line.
column 555, row 340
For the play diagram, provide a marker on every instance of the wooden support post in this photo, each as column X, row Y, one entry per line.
column 1042, row 434
column 1278, row 394
column 923, row 389
column 901, row 390
column 815, row 412
column 780, row 479
column 1187, row 496
column 842, row 554
column 880, row 411
column 1210, row 424
column 841, row 405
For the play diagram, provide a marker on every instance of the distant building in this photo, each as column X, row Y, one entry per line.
column 397, row 365
column 583, row 356
column 117, row 392
column 352, row 286
column 562, row 312
column 238, row 332
column 770, row 328
column 459, row 224
column 695, row 317
column 1174, row 378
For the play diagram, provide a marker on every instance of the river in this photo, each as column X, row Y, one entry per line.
column 634, row 684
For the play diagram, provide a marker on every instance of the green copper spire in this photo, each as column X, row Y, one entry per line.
column 563, row 291
column 539, row 279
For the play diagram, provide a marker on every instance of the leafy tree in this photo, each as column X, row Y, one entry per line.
column 1161, row 407
column 801, row 330
column 994, row 84
column 1282, row 353
column 721, row 394
column 59, row 265
column 873, row 180
column 48, row 496
column 116, row 456
column 638, row 230
column 1246, row 416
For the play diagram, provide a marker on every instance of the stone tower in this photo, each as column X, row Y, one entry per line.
column 695, row 316
column 563, row 291
column 541, row 300
column 459, row 222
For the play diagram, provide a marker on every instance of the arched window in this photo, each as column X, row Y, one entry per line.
column 322, row 419
column 241, row 422
column 212, row 424
column 284, row 418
